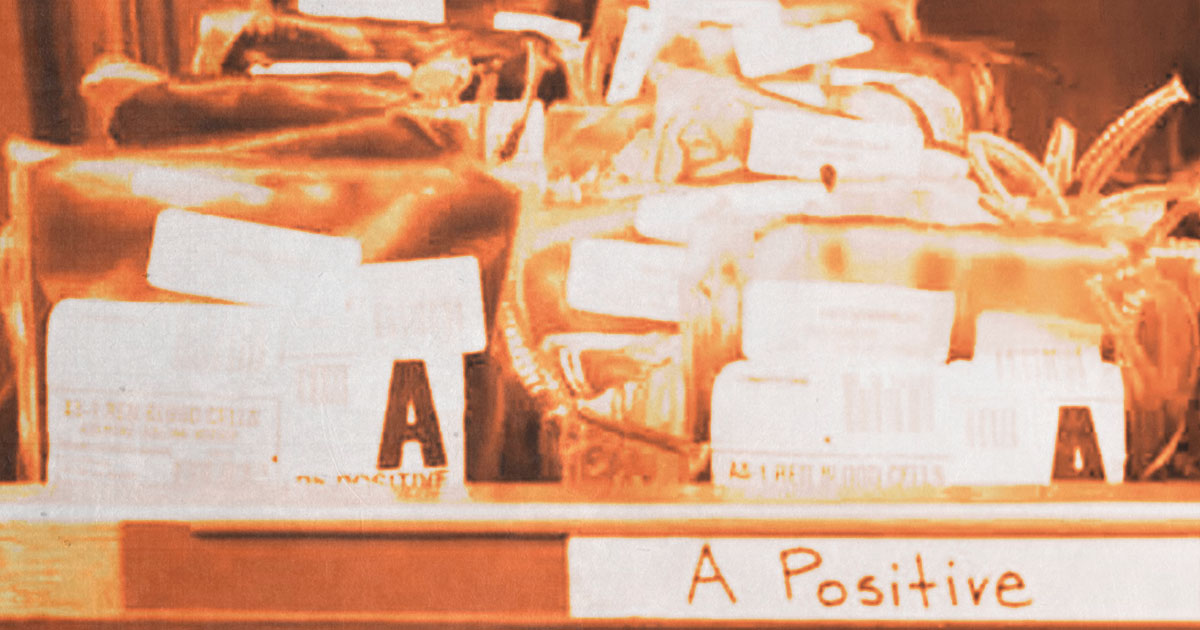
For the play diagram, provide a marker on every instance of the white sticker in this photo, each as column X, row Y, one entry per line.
column 638, row 48
column 790, row 319
column 161, row 393
column 546, row 25
column 764, row 48
column 216, row 395
column 420, row 308
column 759, row 474
column 245, row 262
column 502, row 119
column 1005, row 410
column 367, row 421
column 795, row 143
column 401, row 69
column 671, row 215
column 886, row 579
column 432, row 11
column 625, row 279
column 196, row 186
column 998, row 331
column 720, row 11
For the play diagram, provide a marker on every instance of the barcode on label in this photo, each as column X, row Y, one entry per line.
column 883, row 402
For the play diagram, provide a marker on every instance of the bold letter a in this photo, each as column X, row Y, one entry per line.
column 410, row 388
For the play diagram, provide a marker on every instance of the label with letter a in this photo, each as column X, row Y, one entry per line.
column 886, row 579
column 371, row 395
column 432, row 11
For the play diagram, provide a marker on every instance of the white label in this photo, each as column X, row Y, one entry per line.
column 421, row 308
column 161, row 392
column 370, row 394
column 401, row 69
column 625, row 279
column 827, row 476
column 801, row 144
column 786, row 319
column 997, row 331
column 720, row 11
column 819, row 425
column 868, row 579
column 828, row 407
column 548, row 26
column 1003, row 412
column 763, row 48
column 245, row 262
column 670, row 215
column 433, row 11
column 196, row 186
column 639, row 46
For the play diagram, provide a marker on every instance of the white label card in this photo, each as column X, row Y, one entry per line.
column 433, row 11
column 625, row 279
column 795, row 143
column 246, row 262
column 783, row 319
column 671, row 214
column 765, row 48
column 886, row 579
column 369, row 391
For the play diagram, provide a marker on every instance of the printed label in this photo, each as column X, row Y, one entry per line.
column 245, row 262
column 825, row 475
column 625, row 279
column 765, row 48
column 720, row 11
column 822, row 408
column 807, row 145
column 865, row 579
column 421, row 308
column 787, row 319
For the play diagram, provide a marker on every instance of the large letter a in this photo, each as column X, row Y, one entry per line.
column 410, row 389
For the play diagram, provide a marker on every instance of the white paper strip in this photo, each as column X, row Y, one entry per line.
column 790, row 319
column 245, row 262
column 804, row 145
column 925, row 580
column 625, row 279
column 433, row 11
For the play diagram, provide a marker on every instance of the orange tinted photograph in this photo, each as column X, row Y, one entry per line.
column 539, row 314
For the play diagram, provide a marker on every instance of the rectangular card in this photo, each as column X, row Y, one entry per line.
column 765, row 48
column 245, row 262
column 548, row 26
column 671, row 215
column 433, row 11
column 626, row 279
column 924, row 580
column 807, row 145
column 787, row 319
